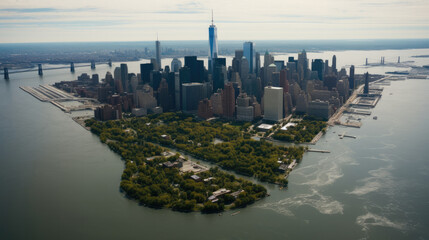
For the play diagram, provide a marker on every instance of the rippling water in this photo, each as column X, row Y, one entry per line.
column 59, row 182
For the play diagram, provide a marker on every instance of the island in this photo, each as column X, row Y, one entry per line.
column 157, row 177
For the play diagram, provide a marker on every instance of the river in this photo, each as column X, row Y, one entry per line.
column 59, row 181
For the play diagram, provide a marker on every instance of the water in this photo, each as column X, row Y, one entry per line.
column 59, row 181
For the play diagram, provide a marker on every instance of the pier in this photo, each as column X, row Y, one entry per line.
column 357, row 112
column 345, row 135
column 46, row 93
column 318, row 151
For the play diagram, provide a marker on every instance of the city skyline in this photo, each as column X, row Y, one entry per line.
column 47, row 21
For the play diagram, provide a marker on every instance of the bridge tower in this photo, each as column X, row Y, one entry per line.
column 72, row 67
column 110, row 62
column 40, row 69
column 366, row 62
column 92, row 64
column 399, row 59
column 6, row 73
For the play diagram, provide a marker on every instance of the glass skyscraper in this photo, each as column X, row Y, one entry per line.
column 249, row 53
column 213, row 51
column 158, row 55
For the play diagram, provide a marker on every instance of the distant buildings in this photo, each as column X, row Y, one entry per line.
column 229, row 90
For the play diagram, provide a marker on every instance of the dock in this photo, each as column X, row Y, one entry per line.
column 345, row 135
column 317, row 150
column 55, row 96
column 357, row 112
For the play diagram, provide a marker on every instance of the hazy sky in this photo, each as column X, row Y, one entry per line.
column 139, row 20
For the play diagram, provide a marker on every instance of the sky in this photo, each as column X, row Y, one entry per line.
column 143, row 20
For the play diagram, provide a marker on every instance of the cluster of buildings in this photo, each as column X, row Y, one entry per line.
column 246, row 90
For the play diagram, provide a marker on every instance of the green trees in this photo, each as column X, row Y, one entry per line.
column 237, row 152
column 305, row 131
column 147, row 181
column 210, row 207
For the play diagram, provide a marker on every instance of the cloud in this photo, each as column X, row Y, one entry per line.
column 189, row 19
column 43, row 10
column 179, row 12
column 63, row 24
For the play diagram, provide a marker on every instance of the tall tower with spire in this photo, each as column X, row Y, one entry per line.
column 213, row 51
column 158, row 53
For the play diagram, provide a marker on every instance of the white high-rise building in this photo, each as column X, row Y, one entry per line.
column 273, row 103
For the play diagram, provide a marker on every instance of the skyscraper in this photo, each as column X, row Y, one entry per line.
column 228, row 101
column 273, row 103
column 158, row 54
column 257, row 62
column 176, row 64
column 366, row 87
column 213, row 50
column 352, row 77
column 219, row 73
column 124, row 76
column 192, row 93
column 334, row 64
column 145, row 70
column 196, row 68
column 318, row 65
column 249, row 53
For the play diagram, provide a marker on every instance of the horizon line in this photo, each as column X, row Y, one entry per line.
column 232, row 40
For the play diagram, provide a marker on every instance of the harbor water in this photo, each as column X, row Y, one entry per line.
column 59, row 181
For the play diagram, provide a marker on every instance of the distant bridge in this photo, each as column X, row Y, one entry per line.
column 382, row 61
column 40, row 70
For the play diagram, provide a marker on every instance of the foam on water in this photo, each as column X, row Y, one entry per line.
column 370, row 219
column 325, row 171
column 323, row 204
column 380, row 179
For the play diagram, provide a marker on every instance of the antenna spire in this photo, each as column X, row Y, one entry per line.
column 156, row 36
column 212, row 16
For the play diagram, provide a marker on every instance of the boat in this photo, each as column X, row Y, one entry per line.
column 375, row 118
